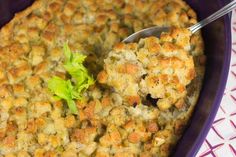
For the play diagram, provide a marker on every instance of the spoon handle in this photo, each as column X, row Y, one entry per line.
column 226, row 9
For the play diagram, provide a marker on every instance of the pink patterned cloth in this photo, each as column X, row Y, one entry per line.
column 221, row 139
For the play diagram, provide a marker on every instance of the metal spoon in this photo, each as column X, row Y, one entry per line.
column 156, row 31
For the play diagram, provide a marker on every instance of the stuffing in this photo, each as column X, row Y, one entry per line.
column 139, row 104
column 161, row 67
column 36, row 54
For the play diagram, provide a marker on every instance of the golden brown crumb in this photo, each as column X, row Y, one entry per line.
column 134, row 137
column 102, row 77
column 152, row 127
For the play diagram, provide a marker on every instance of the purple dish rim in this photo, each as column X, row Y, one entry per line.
column 223, row 80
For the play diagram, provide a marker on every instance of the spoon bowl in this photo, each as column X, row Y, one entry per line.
column 156, row 31
column 147, row 32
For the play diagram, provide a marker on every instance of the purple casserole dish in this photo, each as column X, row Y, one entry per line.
column 217, row 38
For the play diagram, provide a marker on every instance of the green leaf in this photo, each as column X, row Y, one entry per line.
column 78, row 58
column 67, row 52
column 79, row 82
column 72, row 106
column 76, row 69
column 60, row 87
column 57, row 98
column 63, row 90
